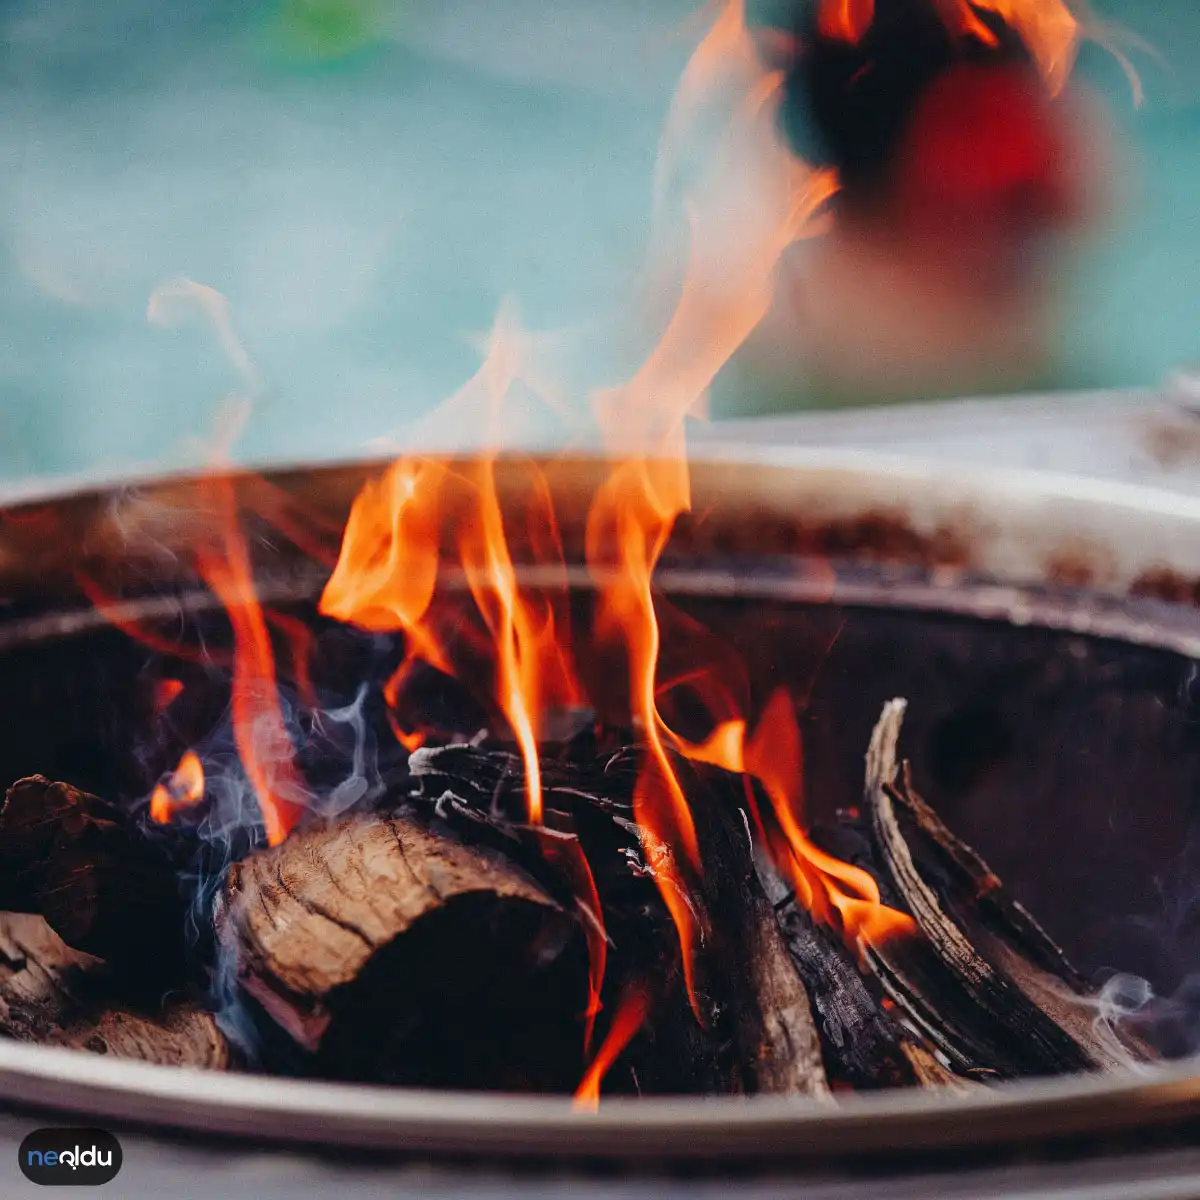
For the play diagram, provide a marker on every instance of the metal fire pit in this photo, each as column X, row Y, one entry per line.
column 1111, row 567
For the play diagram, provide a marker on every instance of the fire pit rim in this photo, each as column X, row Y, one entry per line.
column 1138, row 525
column 370, row 1117
column 1026, row 527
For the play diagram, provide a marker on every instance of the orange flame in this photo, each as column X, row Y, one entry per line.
column 824, row 884
column 632, row 1010
column 493, row 583
column 110, row 607
column 774, row 758
column 387, row 573
column 166, row 692
column 259, row 731
column 386, row 578
column 568, row 856
column 300, row 645
column 1048, row 27
column 184, row 789
column 635, row 510
column 387, row 569
column 846, row 20
column 425, row 513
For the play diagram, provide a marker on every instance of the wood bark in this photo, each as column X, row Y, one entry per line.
column 1004, row 933
column 447, row 942
column 54, row 995
column 978, row 885
column 757, row 991
column 385, row 950
column 995, row 1009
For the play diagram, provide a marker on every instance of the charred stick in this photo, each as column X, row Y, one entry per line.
column 862, row 1045
column 980, row 884
column 478, row 794
column 929, row 1071
column 755, row 989
column 1025, row 1037
column 1006, row 935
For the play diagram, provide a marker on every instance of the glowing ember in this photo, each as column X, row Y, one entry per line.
column 183, row 789
column 629, row 1017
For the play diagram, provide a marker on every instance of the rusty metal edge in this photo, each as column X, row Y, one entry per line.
column 1022, row 527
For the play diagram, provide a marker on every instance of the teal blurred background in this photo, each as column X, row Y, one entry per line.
column 365, row 180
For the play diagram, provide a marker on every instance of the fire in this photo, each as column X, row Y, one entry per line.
column 166, row 692
column 111, row 608
column 386, row 580
column 300, row 645
column 493, row 583
column 184, row 789
column 387, row 574
column 427, row 513
column 629, row 1017
column 846, row 20
column 1048, row 27
column 568, row 856
column 773, row 756
column 260, row 732
column 836, row 893
column 431, row 522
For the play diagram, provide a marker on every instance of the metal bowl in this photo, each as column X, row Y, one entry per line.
column 1110, row 561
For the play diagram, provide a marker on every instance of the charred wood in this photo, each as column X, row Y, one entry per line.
column 1006, row 935
column 756, row 1032
column 862, row 1045
column 943, row 980
column 754, row 986
column 977, row 884
column 104, row 883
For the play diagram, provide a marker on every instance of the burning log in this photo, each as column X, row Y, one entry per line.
column 52, row 994
column 448, row 942
column 106, row 884
column 757, row 1032
column 745, row 958
column 381, row 950
column 976, row 992
column 862, row 1045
